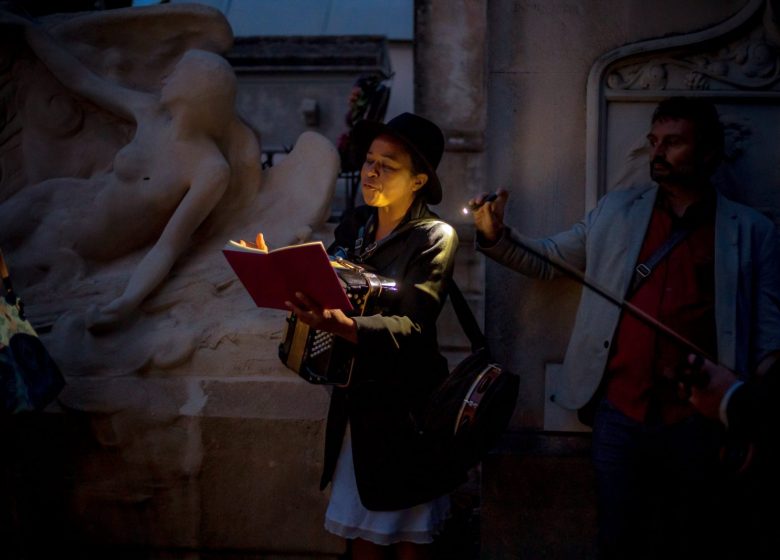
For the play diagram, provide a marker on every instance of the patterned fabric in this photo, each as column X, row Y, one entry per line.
column 29, row 378
column 11, row 322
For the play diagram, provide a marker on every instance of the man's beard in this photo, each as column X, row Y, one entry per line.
column 669, row 174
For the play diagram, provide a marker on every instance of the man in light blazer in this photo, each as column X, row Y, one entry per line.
column 701, row 264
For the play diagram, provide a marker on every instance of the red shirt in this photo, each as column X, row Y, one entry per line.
column 680, row 293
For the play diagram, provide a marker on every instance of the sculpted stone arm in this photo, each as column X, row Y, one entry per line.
column 75, row 76
column 211, row 178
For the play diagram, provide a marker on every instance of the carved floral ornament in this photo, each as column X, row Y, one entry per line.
column 751, row 62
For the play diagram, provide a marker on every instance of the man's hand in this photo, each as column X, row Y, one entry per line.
column 489, row 216
column 714, row 380
column 329, row 320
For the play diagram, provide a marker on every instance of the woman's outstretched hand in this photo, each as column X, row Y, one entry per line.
column 329, row 320
column 260, row 242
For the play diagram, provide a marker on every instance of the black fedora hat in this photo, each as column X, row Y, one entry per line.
column 422, row 137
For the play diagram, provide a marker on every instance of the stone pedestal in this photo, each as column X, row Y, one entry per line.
column 237, row 476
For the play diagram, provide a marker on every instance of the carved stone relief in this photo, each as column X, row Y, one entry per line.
column 736, row 64
column 750, row 62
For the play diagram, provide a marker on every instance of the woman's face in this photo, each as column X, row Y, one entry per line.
column 387, row 177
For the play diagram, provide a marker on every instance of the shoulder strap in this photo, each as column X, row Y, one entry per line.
column 466, row 318
column 463, row 312
column 643, row 270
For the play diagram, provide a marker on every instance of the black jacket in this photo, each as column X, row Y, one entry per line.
column 753, row 409
column 398, row 363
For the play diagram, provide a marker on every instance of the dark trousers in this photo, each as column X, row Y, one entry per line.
column 661, row 489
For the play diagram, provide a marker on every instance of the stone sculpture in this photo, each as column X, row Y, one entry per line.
column 125, row 168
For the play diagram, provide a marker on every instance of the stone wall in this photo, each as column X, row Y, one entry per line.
column 538, row 488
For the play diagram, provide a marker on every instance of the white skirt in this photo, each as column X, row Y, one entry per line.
column 348, row 518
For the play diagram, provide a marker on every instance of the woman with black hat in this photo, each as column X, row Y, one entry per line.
column 383, row 498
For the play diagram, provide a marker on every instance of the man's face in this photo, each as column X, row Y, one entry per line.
column 674, row 159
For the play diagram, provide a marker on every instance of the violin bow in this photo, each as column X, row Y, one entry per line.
column 620, row 302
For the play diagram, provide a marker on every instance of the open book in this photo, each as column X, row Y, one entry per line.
column 273, row 277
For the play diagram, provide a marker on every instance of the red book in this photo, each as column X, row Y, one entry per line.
column 273, row 277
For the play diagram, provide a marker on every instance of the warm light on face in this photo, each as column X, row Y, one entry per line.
column 386, row 175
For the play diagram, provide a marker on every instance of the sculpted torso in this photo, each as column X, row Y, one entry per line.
column 148, row 180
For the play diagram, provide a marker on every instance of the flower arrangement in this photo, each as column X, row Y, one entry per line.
column 367, row 100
